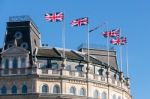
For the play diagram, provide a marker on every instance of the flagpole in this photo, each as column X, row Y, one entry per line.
column 88, row 42
column 120, row 58
column 127, row 60
column 63, row 38
column 107, row 42
column 120, row 54
column 108, row 49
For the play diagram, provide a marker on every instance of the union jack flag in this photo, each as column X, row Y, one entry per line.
column 123, row 40
column 54, row 17
column 119, row 41
column 79, row 22
column 112, row 33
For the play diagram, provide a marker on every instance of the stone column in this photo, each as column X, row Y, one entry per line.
column 19, row 62
column 3, row 63
column 19, row 65
column 2, row 66
column 27, row 61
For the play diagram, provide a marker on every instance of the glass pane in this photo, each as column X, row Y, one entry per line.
column 15, row 63
column 82, row 92
column 6, row 64
column 68, row 67
column 96, row 94
column 45, row 89
column 73, row 90
column 55, row 66
column 23, row 62
column 14, row 90
column 4, row 90
column 24, row 89
column 104, row 95
column 56, row 89
column 114, row 96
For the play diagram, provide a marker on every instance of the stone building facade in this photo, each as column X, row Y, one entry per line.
column 31, row 71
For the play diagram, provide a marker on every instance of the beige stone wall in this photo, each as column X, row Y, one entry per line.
column 78, row 84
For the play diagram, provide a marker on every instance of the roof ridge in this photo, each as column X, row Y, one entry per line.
column 57, row 52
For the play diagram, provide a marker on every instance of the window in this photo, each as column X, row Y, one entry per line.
column 24, row 89
column 73, row 90
column 119, row 97
column 43, row 63
column 104, row 95
column 35, row 42
column 79, row 68
column 24, row 45
column 114, row 96
column 15, row 63
column 14, row 90
column 56, row 89
column 6, row 64
column 55, row 66
column 68, row 67
column 82, row 92
column 18, row 35
column 96, row 94
column 4, row 90
column 45, row 89
column 23, row 62
column 9, row 45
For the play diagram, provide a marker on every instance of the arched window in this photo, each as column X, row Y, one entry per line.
column 96, row 94
column 82, row 92
column 4, row 90
column 15, row 63
column 56, row 89
column 45, row 89
column 114, row 96
column 104, row 95
column 6, row 64
column 14, row 90
column 73, row 90
column 24, row 89
column 23, row 62
column 119, row 97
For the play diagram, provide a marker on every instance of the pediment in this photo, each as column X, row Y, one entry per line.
column 15, row 50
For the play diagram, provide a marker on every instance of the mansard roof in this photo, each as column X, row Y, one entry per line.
column 69, row 54
column 76, row 55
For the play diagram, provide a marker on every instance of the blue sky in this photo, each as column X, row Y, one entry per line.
column 132, row 16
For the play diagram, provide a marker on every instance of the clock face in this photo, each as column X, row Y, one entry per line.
column 18, row 35
column 24, row 45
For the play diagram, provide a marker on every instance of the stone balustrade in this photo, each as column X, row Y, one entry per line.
column 73, row 74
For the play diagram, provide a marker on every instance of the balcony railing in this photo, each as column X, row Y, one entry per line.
column 65, row 73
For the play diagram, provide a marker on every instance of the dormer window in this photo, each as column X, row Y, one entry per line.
column 54, row 66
